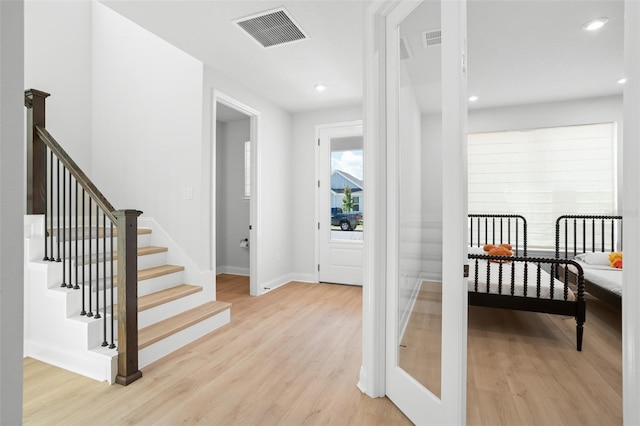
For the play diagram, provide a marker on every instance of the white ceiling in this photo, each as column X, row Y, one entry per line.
column 519, row 51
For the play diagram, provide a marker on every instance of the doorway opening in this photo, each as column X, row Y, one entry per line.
column 234, row 203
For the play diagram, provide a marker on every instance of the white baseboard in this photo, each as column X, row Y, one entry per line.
column 93, row 364
column 301, row 277
column 233, row 270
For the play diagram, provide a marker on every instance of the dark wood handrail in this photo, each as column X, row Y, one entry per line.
column 77, row 173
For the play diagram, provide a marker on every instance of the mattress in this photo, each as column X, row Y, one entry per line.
column 602, row 276
column 532, row 273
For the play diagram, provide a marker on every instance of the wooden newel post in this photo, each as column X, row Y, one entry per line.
column 127, row 228
column 36, row 153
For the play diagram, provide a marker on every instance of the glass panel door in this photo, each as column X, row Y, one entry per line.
column 426, row 305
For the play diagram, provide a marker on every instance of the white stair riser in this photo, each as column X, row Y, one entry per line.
column 160, row 283
column 144, row 262
column 164, row 347
column 166, row 310
column 97, row 291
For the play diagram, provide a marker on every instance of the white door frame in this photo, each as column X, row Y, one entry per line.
column 372, row 373
column 319, row 178
column 254, row 234
column 631, row 213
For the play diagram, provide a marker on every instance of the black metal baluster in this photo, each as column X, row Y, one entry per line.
column 500, row 277
column 613, row 245
column 513, row 278
column 488, row 274
column 475, row 280
column 538, row 282
column 97, row 261
column 566, row 236
column 470, row 232
column 486, row 231
column 84, row 282
column 58, row 205
column 113, row 339
column 493, row 230
column 104, row 278
column 77, row 286
column 50, row 203
column 602, row 235
column 64, row 228
column 98, row 316
column 46, row 209
column 593, row 235
column 90, row 314
column 551, row 282
column 526, row 279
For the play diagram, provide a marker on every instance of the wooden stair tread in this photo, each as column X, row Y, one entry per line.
column 141, row 231
column 158, row 331
column 163, row 296
column 156, row 271
column 144, row 251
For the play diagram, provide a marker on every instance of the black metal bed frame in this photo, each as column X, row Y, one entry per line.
column 495, row 233
column 610, row 227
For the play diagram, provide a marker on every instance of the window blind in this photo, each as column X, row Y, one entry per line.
column 542, row 174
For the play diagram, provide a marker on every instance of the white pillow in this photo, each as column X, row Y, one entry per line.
column 597, row 258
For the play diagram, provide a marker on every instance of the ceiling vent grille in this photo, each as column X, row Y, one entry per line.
column 405, row 49
column 272, row 28
column 431, row 38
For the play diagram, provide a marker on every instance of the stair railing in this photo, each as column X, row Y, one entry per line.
column 79, row 229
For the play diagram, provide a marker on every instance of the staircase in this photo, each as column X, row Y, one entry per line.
column 82, row 256
column 171, row 313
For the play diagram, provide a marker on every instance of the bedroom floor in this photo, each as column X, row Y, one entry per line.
column 523, row 368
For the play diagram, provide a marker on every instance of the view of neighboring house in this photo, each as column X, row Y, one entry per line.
column 341, row 180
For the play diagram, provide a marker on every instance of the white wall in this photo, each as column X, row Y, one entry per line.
column 12, row 210
column 552, row 114
column 232, row 208
column 273, row 196
column 147, row 127
column 303, row 164
column 57, row 58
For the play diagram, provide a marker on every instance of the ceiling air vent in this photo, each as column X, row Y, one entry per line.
column 405, row 49
column 431, row 38
column 272, row 28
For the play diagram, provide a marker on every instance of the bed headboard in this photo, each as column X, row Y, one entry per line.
column 577, row 234
column 499, row 229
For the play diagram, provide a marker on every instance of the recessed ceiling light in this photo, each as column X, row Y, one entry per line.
column 622, row 80
column 320, row 87
column 473, row 98
column 596, row 24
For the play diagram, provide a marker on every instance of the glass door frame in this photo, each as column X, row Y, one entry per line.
column 379, row 83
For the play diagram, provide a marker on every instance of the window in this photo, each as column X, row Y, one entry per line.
column 542, row 174
column 247, row 169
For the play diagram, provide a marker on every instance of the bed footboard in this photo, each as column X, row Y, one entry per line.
column 522, row 283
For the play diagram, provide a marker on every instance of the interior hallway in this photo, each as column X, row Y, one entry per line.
column 290, row 357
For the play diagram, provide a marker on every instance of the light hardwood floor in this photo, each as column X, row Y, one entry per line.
column 290, row 357
column 293, row 356
column 523, row 368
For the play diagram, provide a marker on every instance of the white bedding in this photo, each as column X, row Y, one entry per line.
column 532, row 273
column 604, row 276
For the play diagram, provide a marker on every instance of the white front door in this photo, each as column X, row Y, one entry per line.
column 340, row 200
column 426, row 307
